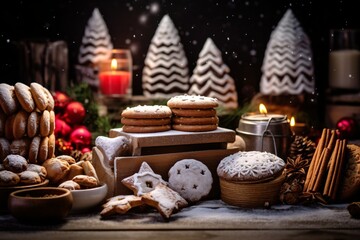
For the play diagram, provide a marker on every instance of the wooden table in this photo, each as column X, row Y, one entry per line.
column 207, row 220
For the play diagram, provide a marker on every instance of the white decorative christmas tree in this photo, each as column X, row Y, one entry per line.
column 96, row 43
column 165, row 72
column 288, row 67
column 211, row 77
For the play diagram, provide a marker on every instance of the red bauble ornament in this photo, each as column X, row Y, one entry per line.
column 62, row 129
column 61, row 101
column 74, row 113
column 347, row 127
column 85, row 150
column 80, row 138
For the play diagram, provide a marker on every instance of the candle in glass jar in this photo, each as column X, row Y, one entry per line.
column 114, row 82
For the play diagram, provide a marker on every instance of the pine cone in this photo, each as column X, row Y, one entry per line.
column 290, row 192
column 302, row 146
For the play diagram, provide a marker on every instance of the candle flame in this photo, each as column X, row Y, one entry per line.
column 292, row 121
column 262, row 109
column 113, row 64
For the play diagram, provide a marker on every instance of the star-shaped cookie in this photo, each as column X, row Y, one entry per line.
column 120, row 204
column 144, row 181
column 165, row 200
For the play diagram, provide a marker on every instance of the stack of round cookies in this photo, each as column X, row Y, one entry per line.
column 146, row 119
column 193, row 113
column 27, row 122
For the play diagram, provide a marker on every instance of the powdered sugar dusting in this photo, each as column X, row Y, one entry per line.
column 252, row 165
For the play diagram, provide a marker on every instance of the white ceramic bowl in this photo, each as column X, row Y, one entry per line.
column 86, row 199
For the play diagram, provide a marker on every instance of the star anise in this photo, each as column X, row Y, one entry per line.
column 312, row 197
column 297, row 165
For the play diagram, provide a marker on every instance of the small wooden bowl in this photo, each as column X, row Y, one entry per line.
column 40, row 204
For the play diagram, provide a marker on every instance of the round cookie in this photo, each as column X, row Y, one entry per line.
column 20, row 124
column 20, row 147
column 38, row 169
column 8, row 178
column 192, row 102
column 33, row 124
column 52, row 122
column 24, row 97
column 147, row 111
column 70, row 185
column 145, row 121
column 194, row 128
column 4, row 149
column 86, row 181
column 2, row 123
column 207, row 112
column 250, row 166
column 39, row 95
column 43, row 150
column 8, row 100
column 15, row 163
column 9, row 126
column 51, row 146
column 191, row 179
column 34, row 149
column 50, row 100
column 56, row 169
column 195, row 120
column 45, row 124
column 29, row 178
column 145, row 129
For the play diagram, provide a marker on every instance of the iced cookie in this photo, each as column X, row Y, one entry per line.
column 39, row 95
column 29, row 178
column 144, row 181
column 192, row 102
column 120, row 205
column 191, row 179
column 34, row 149
column 33, row 124
column 20, row 124
column 8, row 100
column 165, row 200
column 20, row 147
column 4, row 149
column 8, row 178
column 15, row 163
column 38, row 169
column 112, row 147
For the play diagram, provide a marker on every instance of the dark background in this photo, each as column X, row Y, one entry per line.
column 240, row 29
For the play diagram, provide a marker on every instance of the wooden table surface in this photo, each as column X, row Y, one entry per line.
column 207, row 220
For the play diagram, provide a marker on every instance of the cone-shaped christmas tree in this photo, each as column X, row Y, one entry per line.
column 211, row 77
column 96, row 43
column 165, row 73
column 288, row 66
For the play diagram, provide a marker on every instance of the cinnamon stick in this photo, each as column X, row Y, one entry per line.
column 314, row 160
column 339, row 169
column 331, row 172
column 322, row 170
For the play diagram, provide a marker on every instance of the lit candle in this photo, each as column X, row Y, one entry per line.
column 297, row 128
column 114, row 82
column 263, row 115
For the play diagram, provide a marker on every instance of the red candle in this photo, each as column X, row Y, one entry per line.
column 114, row 82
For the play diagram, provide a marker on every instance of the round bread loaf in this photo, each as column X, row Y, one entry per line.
column 250, row 166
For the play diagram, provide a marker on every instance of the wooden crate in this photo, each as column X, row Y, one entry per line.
column 160, row 163
column 161, row 151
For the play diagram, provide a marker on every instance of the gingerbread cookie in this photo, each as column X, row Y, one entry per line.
column 86, row 181
column 20, row 147
column 4, row 149
column 144, row 181
column 8, row 178
column 24, row 97
column 146, row 119
column 39, row 95
column 38, row 169
column 15, row 163
column 34, row 149
column 112, row 147
column 195, row 120
column 147, row 111
column 8, row 100
column 75, row 170
column 120, row 204
column 191, row 179
column 70, row 185
column 192, row 102
column 52, row 122
column 29, row 178
column 20, row 124
column 89, row 169
column 45, row 123
column 194, row 128
column 33, row 124
column 56, row 169
column 165, row 200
